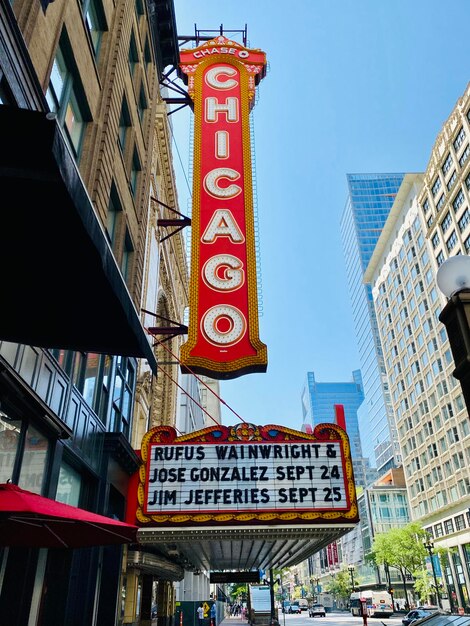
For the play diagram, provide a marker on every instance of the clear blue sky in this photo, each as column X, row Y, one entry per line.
column 353, row 86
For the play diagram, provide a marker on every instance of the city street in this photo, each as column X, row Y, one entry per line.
column 331, row 619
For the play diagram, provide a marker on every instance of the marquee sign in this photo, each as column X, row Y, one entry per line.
column 223, row 339
column 245, row 473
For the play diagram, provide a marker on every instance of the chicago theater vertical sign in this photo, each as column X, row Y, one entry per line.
column 223, row 337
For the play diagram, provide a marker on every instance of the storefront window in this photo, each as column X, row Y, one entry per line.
column 91, row 377
column 460, row 579
column 68, row 486
column 33, row 467
column 10, row 431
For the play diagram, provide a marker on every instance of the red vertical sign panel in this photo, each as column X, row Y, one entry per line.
column 223, row 339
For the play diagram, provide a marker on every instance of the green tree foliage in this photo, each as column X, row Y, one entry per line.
column 340, row 585
column 237, row 590
column 401, row 548
column 424, row 585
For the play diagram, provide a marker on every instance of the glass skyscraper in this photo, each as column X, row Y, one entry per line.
column 318, row 402
column 371, row 196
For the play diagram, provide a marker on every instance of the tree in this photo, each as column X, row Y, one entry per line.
column 237, row 590
column 423, row 585
column 401, row 548
column 340, row 585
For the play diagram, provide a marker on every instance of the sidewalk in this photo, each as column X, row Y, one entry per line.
column 235, row 620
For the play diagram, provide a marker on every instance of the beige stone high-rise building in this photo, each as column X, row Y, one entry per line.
column 429, row 221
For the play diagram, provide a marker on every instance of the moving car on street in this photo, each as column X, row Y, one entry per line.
column 316, row 609
column 416, row 614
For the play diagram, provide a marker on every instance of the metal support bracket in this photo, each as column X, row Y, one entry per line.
column 179, row 223
column 199, row 36
column 169, row 331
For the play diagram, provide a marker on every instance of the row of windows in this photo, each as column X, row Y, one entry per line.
column 65, row 94
column 452, row 435
column 448, row 171
column 453, row 524
column 106, row 383
column 442, row 473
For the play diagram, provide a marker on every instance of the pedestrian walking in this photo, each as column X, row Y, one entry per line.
column 200, row 614
column 213, row 615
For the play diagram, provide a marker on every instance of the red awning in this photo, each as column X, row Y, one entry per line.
column 30, row 520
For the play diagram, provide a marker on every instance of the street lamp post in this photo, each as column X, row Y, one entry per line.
column 351, row 573
column 453, row 279
column 429, row 545
column 315, row 587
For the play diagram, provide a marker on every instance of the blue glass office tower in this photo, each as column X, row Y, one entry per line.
column 318, row 401
column 371, row 196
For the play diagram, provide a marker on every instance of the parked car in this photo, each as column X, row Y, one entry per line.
column 416, row 614
column 316, row 609
column 294, row 608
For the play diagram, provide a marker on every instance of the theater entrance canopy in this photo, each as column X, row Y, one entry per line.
column 244, row 497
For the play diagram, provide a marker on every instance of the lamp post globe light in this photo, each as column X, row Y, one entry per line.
column 429, row 545
column 453, row 280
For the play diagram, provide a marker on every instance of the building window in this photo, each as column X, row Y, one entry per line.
column 25, row 451
column 440, row 258
column 447, row 164
column 464, row 220
column 147, row 53
column 425, row 206
column 134, row 175
column 124, row 124
column 466, row 244
column 69, row 485
column 458, row 201
column 458, row 460
column 65, row 96
column 436, row 186
column 465, row 154
column 133, row 54
column 429, row 221
column 95, row 22
column 127, row 256
column 451, row 242
column 440, row 202
column 458, row 141
column 453, row 435
column 451, row 181
column 142, row 104
column 123, row 396
column 446, row 222
column 113, row 216
column 438, row 530
column 459, row 522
